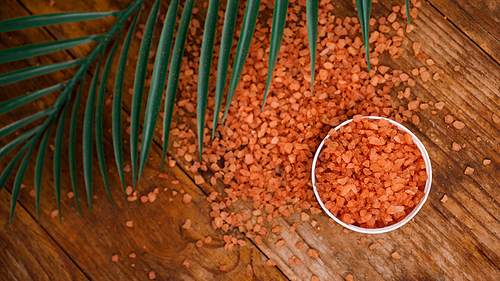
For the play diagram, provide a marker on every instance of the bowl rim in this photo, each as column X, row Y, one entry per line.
column 427, row 189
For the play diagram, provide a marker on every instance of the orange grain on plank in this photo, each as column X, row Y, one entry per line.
column 396, row 255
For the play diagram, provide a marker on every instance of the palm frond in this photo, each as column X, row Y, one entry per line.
column 93, row 113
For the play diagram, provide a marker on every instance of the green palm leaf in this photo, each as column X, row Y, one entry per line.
column 225, row 51
column 16, row 102
column 43, row 20
column 19, row 177
column 39, row 167
column 44, row 48
column 279, row 20
column 18, row 124
column 117, row 100
column 93, row 115
column 7, row 148
column 140, row 77
column 72, row 143
column 88, row 126
column 207, row 49
column 99, row 113
column 173, row 76
column 158, row 83
column 249, row 21
column 57, row 158
column 31, row 72
column 312, row 28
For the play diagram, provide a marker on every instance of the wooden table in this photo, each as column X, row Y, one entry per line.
column 455, row 240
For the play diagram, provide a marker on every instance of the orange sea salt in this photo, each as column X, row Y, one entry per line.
column 370, row 174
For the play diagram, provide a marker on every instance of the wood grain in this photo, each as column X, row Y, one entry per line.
column 157, row 236
column 455, row 240
column 27, row 252
column 478, row 20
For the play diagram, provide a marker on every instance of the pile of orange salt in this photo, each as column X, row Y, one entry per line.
column 370, row 174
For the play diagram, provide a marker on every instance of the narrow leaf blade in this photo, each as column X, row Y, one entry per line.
column 39, row 167
column 207, row 49
column 57, row 158
column 72, row 143
column 279, row 20
column 312, row 30
column 7, row 148
column 158, row 83
column 99, row 112
column 407, row 2
column 249, row 22
column 225, row 50
column 88, row 125
column 117, row 100
column 173, row 76
column 140, row 77
column 49, row 19
column 16, row 102
column 19, row 178
column 6, row 172
column 20, row 123
column 29, row 51
column 31, row 72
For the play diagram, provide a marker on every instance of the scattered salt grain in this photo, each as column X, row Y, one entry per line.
column 469, row 171
column 456, row 146
column 129, row 190
column 459, row 125
column 114, row 258
column 396, row 255
column 54, row 213
column 187, row 224
column 129, row 224
column 312, row 253
column 440, row 105
column 186, row 198
column 486, row 162
column 495, row 118
column 199, row 179
column 444, row 199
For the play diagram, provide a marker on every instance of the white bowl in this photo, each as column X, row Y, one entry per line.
column 397, row 225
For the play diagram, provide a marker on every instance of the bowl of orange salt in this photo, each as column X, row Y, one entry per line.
column 371, row 174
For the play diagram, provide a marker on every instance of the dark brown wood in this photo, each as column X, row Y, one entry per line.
column 455, row 240
column 28, row 252
column 157, row 237
column 478, row 20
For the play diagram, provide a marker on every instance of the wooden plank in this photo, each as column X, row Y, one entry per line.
column 27, row 252
column 157, row 236
column 471, row 214
column 479, row 20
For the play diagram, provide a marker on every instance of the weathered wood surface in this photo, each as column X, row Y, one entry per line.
column 455, row 240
